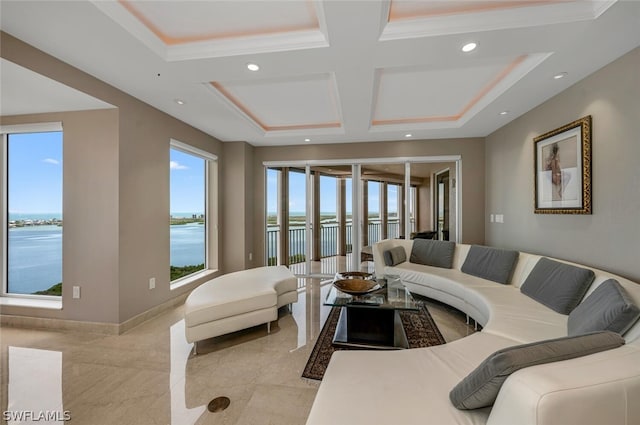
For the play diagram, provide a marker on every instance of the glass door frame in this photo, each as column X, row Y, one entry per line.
column 357, row 200
column 436, row 199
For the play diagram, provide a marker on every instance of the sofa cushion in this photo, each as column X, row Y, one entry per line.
column 432, row 253
column 394, row 256
column 480, row 388
column 557, row 285
column 608, row 308
column 490, row 263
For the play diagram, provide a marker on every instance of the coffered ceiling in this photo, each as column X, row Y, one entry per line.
column 333, row 70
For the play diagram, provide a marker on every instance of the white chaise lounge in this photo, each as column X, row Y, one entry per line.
column 412, row 386
column 237, row 301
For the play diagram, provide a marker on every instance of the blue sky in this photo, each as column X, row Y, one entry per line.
column 297, row 193
column 35, row 173
column 35, row 176
column 187, row 183
column 35, row 180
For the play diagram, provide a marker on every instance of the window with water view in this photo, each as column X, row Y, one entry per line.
column 33, row 213
column 187, row 228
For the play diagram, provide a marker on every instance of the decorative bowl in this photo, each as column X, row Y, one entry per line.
column 353, row 275
column 355, row 286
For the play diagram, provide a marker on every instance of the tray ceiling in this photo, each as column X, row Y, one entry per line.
column 333, row 71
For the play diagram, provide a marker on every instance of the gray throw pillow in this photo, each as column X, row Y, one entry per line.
column 481, row 387
column 432, row 253
column 490, row 263
column 557, row 285
column 394, row 256
column 607, row 308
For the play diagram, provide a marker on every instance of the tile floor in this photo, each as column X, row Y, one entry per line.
column 149, row 375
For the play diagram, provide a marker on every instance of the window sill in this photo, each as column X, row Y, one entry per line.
column 31, row 303
column 192, row 278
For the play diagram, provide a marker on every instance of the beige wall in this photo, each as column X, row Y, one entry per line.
column 90, row 204
column 124, row 153
column 471, row 150
column 237, row 208
column 610, row 237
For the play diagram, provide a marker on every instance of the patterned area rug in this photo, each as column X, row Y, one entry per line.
column 419, row 326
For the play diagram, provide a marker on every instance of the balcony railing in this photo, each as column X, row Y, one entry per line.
column 328, row 240
column 273, row 235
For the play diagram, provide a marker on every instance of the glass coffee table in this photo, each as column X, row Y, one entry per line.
column 372, row 320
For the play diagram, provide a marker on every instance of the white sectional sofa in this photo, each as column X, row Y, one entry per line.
column 412, row 386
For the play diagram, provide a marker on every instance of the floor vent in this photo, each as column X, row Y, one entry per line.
column 218, row 404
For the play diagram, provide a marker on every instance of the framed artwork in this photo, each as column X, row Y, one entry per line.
column 562, row 173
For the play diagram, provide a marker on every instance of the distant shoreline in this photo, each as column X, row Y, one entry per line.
column 30, row 223
column 178, row 221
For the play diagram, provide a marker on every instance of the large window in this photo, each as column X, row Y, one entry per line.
column 374, row 213
column 273, row 216
column 32, row 210
column 394, row 201
column 190, row 204
column 343, row 206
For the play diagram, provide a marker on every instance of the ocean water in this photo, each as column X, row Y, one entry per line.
column 187, row 244
column 34, row 258
column 35, row 253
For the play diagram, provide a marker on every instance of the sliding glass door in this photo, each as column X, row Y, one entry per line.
column 383, row 206
column 273, row 197
column 296, row 220
column 286, row 218
column 443, row 205
column 324, row 217
column 330, row 219
column 394, row 210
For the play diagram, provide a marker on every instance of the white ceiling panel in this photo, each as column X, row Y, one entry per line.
column 433, row 94
column 183, row 30
column 441, row 97
column 294, row 103
column 410, row 18
column 201, row 20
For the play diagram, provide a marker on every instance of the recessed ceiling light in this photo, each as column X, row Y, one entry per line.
column 408, row 135
column 179, row 101
column 253, row 66
column 307, row 140
column 560, row 75
column 469, row 47
column 504, row 112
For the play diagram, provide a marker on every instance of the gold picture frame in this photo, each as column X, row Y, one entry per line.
column 562, row 169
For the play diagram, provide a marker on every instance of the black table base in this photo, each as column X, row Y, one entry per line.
column 376, row 328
